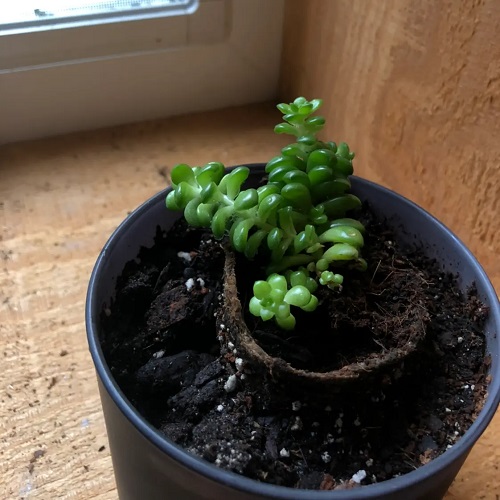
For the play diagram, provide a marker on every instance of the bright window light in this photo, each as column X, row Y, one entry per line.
column 35, row 15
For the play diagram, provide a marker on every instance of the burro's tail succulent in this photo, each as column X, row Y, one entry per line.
column 297, row 220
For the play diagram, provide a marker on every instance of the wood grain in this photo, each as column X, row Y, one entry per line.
column 414, row 88
column 60, row 199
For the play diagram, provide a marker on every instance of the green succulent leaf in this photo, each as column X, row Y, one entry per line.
column 204, row 213
column 184, row 193
column 269, row 206
column 239, row 235
column 287, row 323
column 346, row 221
column 182, row 173
column 341, row 252
column 220, row 221
column 297, row 176
column 254, row 242
column 261, row 289
column 284, row 128
column 298, row 296
column 343, row 234
column 191, row 213
column 234, row 180
column 339, row 205
column 266, row 190
column 170, row 201
column 274, row 237
column 246, row 199
column 211, row 172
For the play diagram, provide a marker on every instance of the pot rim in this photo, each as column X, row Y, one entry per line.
column 242, row 483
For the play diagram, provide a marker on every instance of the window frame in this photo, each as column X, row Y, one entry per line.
column 47, row 22
column 204, row 66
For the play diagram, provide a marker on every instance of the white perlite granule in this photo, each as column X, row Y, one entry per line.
column 230, row 384
column 190, row 284
column 359, row 476
column 184, row 256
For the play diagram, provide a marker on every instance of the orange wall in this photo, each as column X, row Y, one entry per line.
column 414, row 88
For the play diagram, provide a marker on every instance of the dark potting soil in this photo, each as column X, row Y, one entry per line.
column 161, row 343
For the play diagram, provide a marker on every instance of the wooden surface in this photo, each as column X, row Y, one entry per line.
column 59, row 201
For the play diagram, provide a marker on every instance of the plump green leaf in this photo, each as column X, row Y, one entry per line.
column 184, row 193
column 339, row 205
column 210, row 193
column 295, row 162
column 182, row 173
column 254, row 242
column 298, row 278
column 346, row 221
column 220, row 221
column 344, row 151
column 341, row 252
column 343, row 234
column 239, row 236
column 234, row 181
column 285, row 128
column 311, row 305
column 319, row 174
column 297, row 194
column 261, row 289
column 284, row 108
column 274, row 237
column 269, row 206
column 297, row 176
column 170, row 201
column 191, row 213
column 298, row 296
column 287, row 323
column 300, row 101
column 329, row 189
column 211, row 172
column 293, row 150
column 321, row 158
column 246, row 199
column 343, row 166
column 278, row 282
column 255, row 306
column 282, row 312
column 286, row 221
column 204, row 213
column 266, row 190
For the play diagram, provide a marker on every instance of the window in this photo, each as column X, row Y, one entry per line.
column 54, row 81
column 24, row 16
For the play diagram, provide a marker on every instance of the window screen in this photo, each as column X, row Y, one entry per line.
column 33, row 15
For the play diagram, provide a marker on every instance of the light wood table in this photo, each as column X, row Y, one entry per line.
column 60, row 199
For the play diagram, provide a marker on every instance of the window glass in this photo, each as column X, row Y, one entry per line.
column 33, row 15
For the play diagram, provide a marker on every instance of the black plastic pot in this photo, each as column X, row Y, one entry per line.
column 149, row 466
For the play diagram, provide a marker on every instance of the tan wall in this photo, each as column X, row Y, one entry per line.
column 414, row 88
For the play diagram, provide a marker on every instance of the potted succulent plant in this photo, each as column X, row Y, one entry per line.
column 300, row 333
